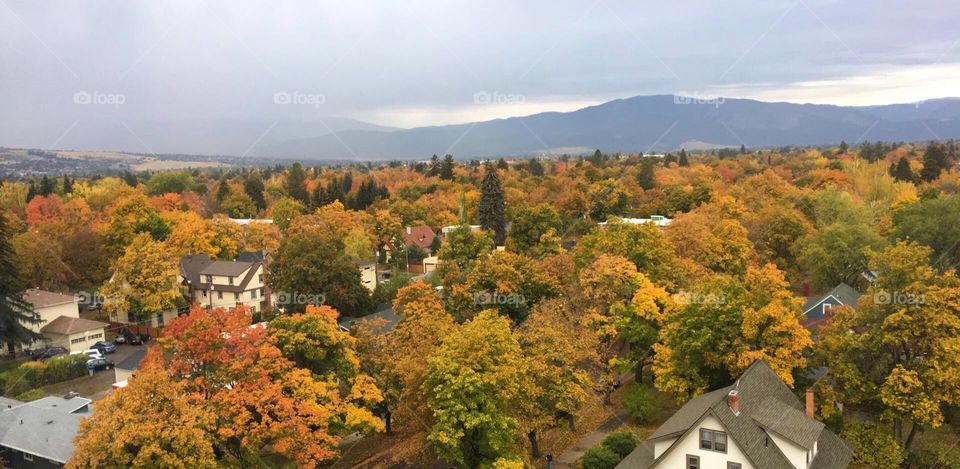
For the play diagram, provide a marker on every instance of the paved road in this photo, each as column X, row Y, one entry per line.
column 98, row 386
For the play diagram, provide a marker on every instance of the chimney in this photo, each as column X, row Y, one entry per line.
column 810, row 407
column 409, row 230
column 806, row 288
column 733, row 400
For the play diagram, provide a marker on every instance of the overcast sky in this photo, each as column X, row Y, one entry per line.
column 412, row 63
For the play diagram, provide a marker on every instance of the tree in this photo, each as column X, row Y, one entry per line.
column 446, row 169
column 647, row 178
column 528, row 226
column 253, row 187
column 716, row 243
column 47, row 186
column 684, row 161
column 934, row 161
column 15, row 313
column 296, row 184
column 67, row 185
column 506, row 282
column 223, row 189
column 311, row 267
column 644, row 245
column 128, row 217
column 923, row 222
column 836, row 253
column 261, row 401
column 492, row 208
column 285, row 211
column 238, row 205
column 902, row 172
column 169, row 182
column 536, row 167
column 473, row 383
column 902, row 357
column 144, row 280
column 844, row 147
column 40, row 261
column 502, row 164
column 725, row 324
column 607, row 198
column 261, row 237
column 161, row 427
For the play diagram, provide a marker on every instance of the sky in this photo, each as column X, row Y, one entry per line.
column 416, row 63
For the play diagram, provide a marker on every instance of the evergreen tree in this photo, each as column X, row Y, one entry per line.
column 536, row 167
column 31, row 191
column 901, row 171
column 46, row 186
column 492, row 209
column 683, row 158
column 446, row 169
column 223, row 190
column 297, row 183
column 743, row 149
column 669, row 159
column 434, row 166
column 15, row 313
column 597, row 158
column 67, row 185
column 319, row 197
column 335, row 192
column 502, row 164
column 646, row 177
column 253, row 186
column 934, row 161
column 347, row 182
column 844, row 147
column 130, row 178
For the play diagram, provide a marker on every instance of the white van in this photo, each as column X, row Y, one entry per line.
column 91, row 353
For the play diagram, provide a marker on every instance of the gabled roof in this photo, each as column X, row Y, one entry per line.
column 43, row 298
column 763, row 398
column 195, row 268
column 420, row 236
column 226, row 268
column 843, row 293
column 65, row 325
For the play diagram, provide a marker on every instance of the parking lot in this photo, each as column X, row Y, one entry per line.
column 95, row 387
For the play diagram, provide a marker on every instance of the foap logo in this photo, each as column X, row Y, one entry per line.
column 295, row 298
column 96, row 98
column 693, row 298
column 297, row 98
column 486, row 298
column 683, row 97
column 883, row 297
column 486, row 98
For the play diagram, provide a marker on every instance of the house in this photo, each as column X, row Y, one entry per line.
column 247, row 221
column 756, row 423
column 368, row 274
column 225, row 284
column 430, row 264
column 422, row 237
column 60, row 322
column 817, row 310
column 40, row 434
column 126, row 368
column 388, row 317
column 76, row 334
column 447, row 229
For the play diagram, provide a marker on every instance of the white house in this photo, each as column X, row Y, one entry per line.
column 60, row 321
column 659, row 220
column 226, row 284
column 756, row 423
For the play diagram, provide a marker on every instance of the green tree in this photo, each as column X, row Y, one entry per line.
column 528, row 226
column 253, row 186
column 684, row 161
column 446, row 169
column 646, row 178
column 492, row 208
column 169, row 182
column 607, row 198
column 473, row 384
column 924, row 222
column 460, row 249
column 901, row 171
column 934, row 161
column 15, row 313
column 296, row 184
column 644, row 245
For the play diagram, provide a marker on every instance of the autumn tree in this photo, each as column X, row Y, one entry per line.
column 725, row 324
column 473, row 384
column 461, row 247
column 924, row 222
column 529, row 225
column 644, row 245
column 144, row 280
column 492, row 208
column 506, row 282
column 128, row 217
column 607, row 198
column 262, row 402
column 160, row 425
column 716, row 243
column 902, row 357
column 40, row 261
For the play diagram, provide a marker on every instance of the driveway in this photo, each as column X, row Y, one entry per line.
column 94, row 387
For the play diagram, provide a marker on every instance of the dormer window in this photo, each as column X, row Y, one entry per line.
column 209, row 278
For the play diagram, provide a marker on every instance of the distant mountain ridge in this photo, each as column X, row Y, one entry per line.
column 644, row 123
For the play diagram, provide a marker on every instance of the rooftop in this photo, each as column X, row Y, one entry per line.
column 45, row 427
column 43, row 298
column 66, row 325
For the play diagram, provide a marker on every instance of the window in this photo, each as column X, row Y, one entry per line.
column 204, row 293
column 27, row 457
column 159, row 319
column 253, row 309
column 209, row 278
column 261, row 292
column 230, row 279
column 78, row 340
column 693, row 462
column 713, row 440
column 236, row 297
column 219, row 295
column 261, row 278
column 95, row 336
column 734, row 465
column 253, row 294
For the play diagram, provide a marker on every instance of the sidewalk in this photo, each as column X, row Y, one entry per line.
column 570, row 457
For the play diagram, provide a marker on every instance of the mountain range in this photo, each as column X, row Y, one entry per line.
column 640, row 124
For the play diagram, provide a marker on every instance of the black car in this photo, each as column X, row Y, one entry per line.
column 49, row 352
column 99, row 364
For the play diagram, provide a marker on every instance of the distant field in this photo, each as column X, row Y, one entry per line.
column 109, row 155
column 163, row 165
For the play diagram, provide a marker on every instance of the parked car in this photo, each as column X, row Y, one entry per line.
column 43, row 354
column 133, row 339
column 104, row 347
column 92, row 353
column 99, row 364
column 120, row 339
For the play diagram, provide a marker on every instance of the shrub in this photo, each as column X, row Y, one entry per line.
column 638, row 400
column 621, row 443
column 26, row 377
column 873, row 447
column 600, row 457
column 937, row 456
column 63, row 368
column 31, row 395
column 507, row 463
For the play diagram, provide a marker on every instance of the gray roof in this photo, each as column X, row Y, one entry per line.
column 44, row 428
column 226, row 268
column 764, row 398
column 391, row 319
column 65, row 325
column 843, row 293
column 6, row 403
column 642, row 456
column 43, row 298
column 195, row 268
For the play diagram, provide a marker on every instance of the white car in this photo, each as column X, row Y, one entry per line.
column 91, row 353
